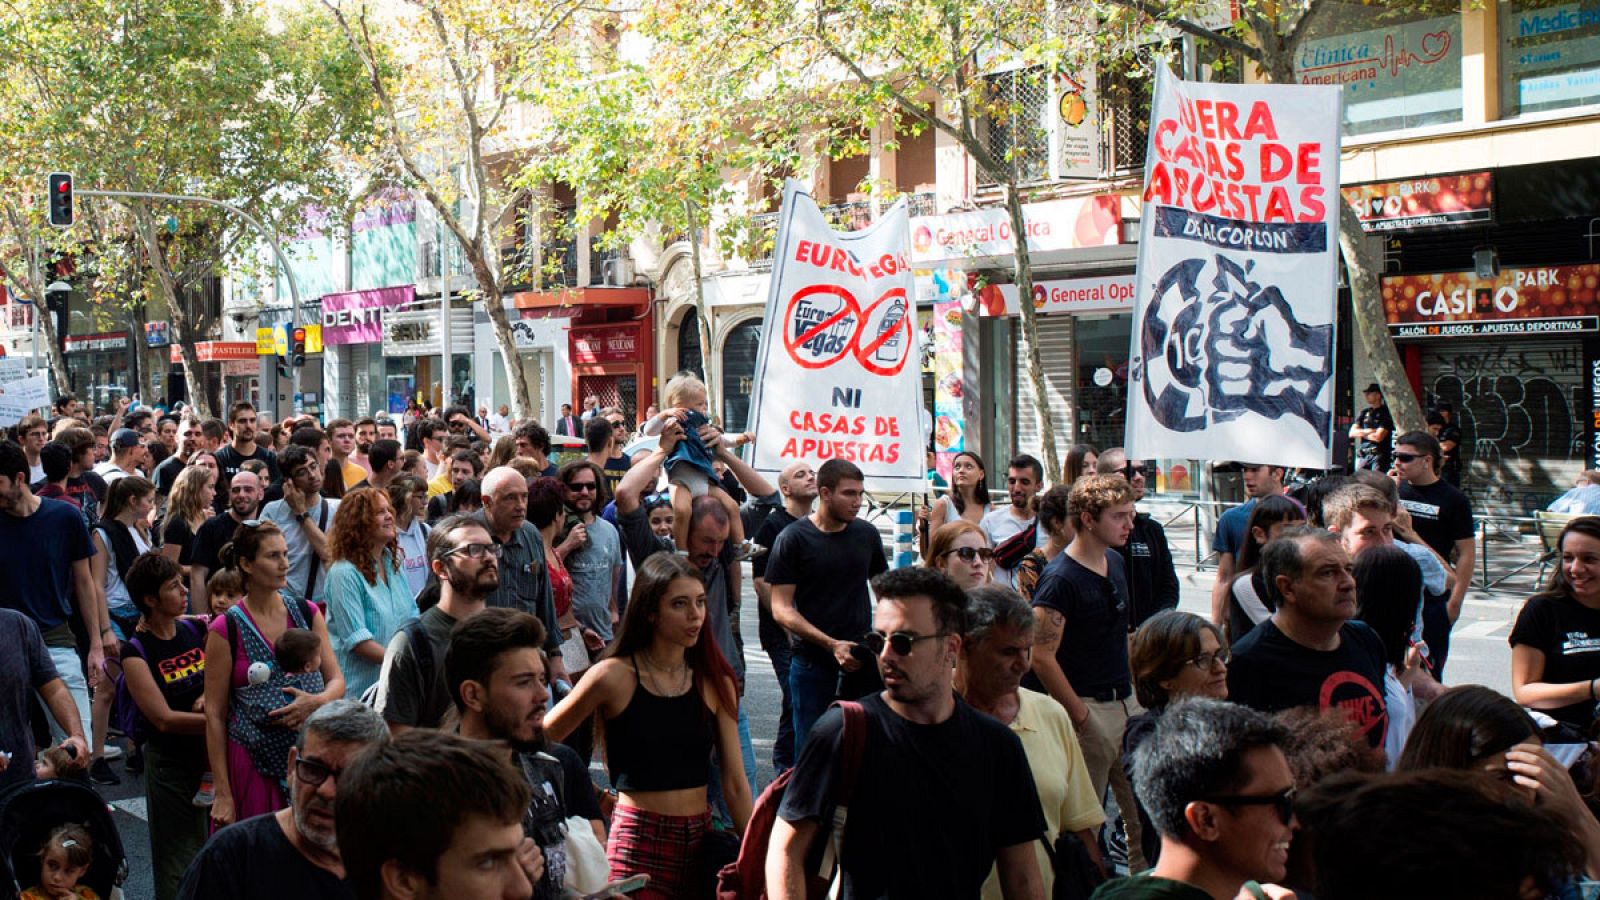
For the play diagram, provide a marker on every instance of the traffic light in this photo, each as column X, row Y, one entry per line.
column 297, row 347
column 60, row 199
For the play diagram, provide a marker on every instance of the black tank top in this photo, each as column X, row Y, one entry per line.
column 659, row 743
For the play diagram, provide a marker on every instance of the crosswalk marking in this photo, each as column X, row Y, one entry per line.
column 1482, row 629
column 133, row 806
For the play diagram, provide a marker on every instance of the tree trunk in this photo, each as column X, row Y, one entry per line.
column 1363, row 262
column 1030, row 334
column 494, row 304
column 703, row 321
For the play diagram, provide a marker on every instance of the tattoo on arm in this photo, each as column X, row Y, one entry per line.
column 1050, row 624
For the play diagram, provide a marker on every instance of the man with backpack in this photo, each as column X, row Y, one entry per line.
column 903, row 837
column 411, row 688
column 1013, row 530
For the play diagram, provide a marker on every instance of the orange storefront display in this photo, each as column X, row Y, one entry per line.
column 612, row 362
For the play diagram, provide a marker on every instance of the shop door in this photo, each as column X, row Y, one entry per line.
column 1055, row 346
column 1517, row 403
column 690, row 359
column 739, row 374
column 1102, row 379
column 613, row 390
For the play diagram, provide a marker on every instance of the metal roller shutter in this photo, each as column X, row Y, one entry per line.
column 1055, row 345
column 1517, row 402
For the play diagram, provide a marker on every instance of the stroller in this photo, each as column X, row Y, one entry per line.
column 28, row 812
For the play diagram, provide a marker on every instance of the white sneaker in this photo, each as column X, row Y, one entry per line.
column 112, row 751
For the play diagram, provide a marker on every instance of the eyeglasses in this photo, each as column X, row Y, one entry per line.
column 1407, row 457
column 583, row 486
column 1281, row 802
column 1205, row 661
column 1132, row 471
column 312, row 773
column 478, row 551
column 902, row 642
column 968, row 554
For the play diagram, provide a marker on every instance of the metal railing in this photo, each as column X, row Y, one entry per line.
column 845, row 216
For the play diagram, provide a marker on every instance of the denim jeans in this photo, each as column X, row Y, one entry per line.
column 783, row 745
column 1436, row 627
column 70, row 668
column 813, row 684
column 714, row 797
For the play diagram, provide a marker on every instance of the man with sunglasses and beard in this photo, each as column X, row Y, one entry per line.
column 465, row 561
column 1152, row 578
column 1218, row 787
column 496, row 675
column 293, row 852
column 899, row 841
column 1442, row 516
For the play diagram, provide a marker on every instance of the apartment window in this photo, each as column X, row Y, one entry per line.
column 1017, row 124
column 1549, row 55
column 1398, row 69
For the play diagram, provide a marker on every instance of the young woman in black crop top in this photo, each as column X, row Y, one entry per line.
column 665, row 698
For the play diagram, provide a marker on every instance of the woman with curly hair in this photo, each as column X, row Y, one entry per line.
column 189, row 506
column 368, row 597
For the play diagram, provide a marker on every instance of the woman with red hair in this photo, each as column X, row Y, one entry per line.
column 369, row 598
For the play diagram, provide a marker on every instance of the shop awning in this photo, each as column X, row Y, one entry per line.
column 219, row 351
column 567, row 302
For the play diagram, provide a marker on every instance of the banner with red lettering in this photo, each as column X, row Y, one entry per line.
column 838, row 373
column 1234, row 305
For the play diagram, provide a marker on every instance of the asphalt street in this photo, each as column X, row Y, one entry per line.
column 1479, row 655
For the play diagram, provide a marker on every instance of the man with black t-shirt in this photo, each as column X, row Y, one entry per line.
column 412, row 692
column 496, row 678
column 1152, row 578
column 818, row 569
column 293, row 852
column 1080, row 657
column 798, row 484
column 242, row 419
column 1311, row 652
column 244, row 496
column 83, row 486
column 1371, row 430
column 1442, row 516
column 167, row 472
column 943, row 794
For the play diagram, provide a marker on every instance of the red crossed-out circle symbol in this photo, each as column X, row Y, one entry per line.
column 826, row 335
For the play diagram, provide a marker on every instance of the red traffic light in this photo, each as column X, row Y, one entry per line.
column 64, row 186
column 60, row 199
column 299, row 335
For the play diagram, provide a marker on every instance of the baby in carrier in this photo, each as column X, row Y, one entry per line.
column 297, row 664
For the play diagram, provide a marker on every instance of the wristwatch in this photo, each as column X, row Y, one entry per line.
column 302, row 516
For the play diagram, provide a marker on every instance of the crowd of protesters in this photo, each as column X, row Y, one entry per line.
column 378, row 658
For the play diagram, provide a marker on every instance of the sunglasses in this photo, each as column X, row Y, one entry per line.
column 1281, row 802
column 1205, row 661
column 1132, row 471
column 901, row 642
column 583, row 486
column 312, row 773
column 968, row 554
column 1407, row 457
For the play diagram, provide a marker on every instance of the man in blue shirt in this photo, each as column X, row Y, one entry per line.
column 1260, row 480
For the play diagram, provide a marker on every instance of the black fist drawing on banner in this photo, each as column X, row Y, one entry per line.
column 1212, row 349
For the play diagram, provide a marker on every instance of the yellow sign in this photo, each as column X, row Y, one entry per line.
column 264, row 342
column 280, row 339
column 313, row 338
column 275, row 340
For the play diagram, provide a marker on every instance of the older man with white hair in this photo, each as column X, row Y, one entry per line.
column 524, row 576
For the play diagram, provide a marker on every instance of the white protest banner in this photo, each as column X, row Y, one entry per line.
column 23, row 396
column 1234, row 306
column 838, row 373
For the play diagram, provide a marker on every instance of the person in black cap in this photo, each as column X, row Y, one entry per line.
column 1372, row 429
column 128, row 456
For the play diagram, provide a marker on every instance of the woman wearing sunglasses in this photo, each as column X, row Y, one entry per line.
column 246, row 634
column 1173, row 655
column 961, row 550
column 664, row 697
